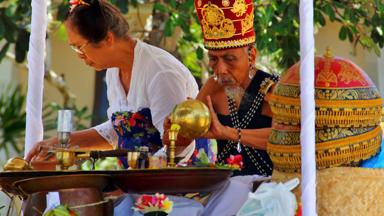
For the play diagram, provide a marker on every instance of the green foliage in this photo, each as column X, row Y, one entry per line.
column 15, row 19
column 12, row 119
column 81, row 116
column 277, row 25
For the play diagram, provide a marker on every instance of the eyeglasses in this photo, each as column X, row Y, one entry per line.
column 79, row 49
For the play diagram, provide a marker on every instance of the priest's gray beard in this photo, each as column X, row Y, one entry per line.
column 235, row 92
column 232, row 87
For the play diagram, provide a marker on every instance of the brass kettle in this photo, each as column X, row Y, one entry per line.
column 193, row 117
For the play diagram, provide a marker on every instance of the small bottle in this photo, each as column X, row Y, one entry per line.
column 143, row 160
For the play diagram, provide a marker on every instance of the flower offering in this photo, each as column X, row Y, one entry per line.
column 147, row 204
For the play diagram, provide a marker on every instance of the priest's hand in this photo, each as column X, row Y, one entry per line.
column 217, row 130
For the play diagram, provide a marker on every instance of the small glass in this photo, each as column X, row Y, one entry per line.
column 132, row 159
column 154, row 162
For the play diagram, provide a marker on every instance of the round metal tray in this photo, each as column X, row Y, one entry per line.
column 169, row 180
column 60, row 182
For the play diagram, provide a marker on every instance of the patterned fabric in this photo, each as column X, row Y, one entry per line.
column 263, row 165
column 135, row 129
column 226, row 23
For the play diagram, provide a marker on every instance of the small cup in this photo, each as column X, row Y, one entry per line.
column 154, row 162
column 132, row 159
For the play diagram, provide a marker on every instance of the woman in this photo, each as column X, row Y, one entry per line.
column 144, row 82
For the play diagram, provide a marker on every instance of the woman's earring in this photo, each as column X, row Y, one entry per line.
column 215, row 77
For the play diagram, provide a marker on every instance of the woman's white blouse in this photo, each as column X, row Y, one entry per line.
column 159, row 81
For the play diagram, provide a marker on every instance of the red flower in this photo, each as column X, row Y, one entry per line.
column 196, row 153
column 146, row 199
column 235, row 161
column 132, row 122
column 136, row 115
column 158, row 202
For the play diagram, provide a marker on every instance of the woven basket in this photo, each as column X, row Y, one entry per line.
column 345, row 191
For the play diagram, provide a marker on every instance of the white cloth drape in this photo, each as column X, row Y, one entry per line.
column 307, row 136
column 34, row 124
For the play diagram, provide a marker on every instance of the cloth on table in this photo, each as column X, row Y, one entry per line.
column 181, row 206
column 228, row 200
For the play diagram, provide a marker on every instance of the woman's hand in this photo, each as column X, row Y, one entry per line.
column 39, row 152
column 217, row 130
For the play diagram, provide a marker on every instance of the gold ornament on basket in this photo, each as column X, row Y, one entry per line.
column 190, row 119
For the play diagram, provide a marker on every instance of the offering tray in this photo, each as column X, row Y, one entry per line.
column 167, row 180
column 81, row 190
column 9, row 178
column 170, row 180
column 59, row 182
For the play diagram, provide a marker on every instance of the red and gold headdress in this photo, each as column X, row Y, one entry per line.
column 226, row 23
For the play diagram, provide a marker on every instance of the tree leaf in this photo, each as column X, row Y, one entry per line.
column 343, row 33
column 350, row 35
column 329, row 11
column 161, row 7
column 200, row 53
column 169, row 27
column 318, row 16
column 4, row 50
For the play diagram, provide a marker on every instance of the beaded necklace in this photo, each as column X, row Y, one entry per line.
column 257, row 101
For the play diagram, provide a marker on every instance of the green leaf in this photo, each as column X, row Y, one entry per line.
column 268, row 14
column 161, row 7
column 2, row 28
column 62, row 10
column 169, row 27
column 200, row 53
column 318, row 16
column 187, row 5
column 343, row 33
column 350, row 35
column 4, row 50
column 329, row 11
column 172, row 3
